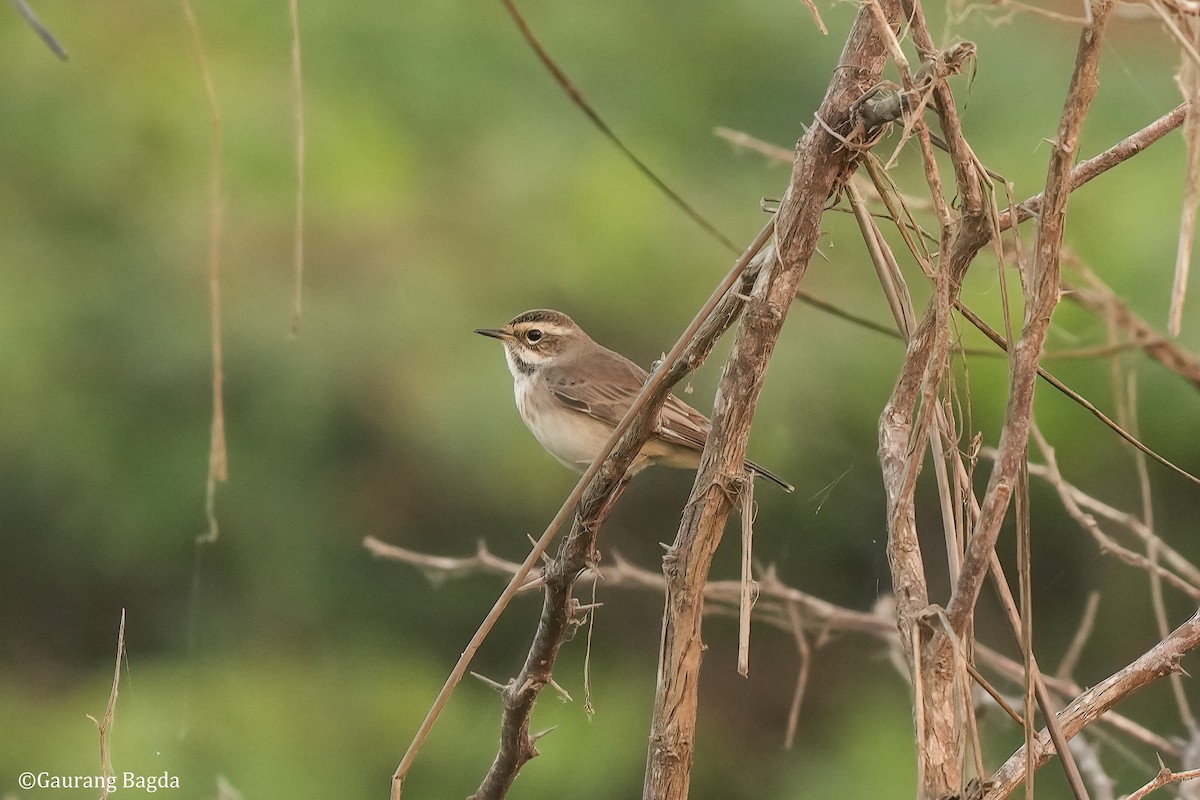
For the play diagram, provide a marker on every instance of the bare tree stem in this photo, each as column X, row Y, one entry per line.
column 822, row 163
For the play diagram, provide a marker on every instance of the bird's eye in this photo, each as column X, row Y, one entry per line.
column 534, row 336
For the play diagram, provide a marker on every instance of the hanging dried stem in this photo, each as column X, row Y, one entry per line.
column 218, row 459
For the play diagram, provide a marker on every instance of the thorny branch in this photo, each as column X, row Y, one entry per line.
column 779, row 606
column 1158, row 662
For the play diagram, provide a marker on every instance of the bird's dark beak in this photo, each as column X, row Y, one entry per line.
column 495, row 333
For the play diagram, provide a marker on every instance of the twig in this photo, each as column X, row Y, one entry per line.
column 812, row 9
column 1085, row 502
column 105, row 725
column 744, row 140
column 1097, row 165
column 41, row 30
column 804, row 651
column 1040, row 307
column 1036, row 690
column 447, row 567
column 982, row 682
column 581, row 102
column 1076, row 397
column 1088, row 758
column 1163, row 778
column 1107, row 544
column 1098, row 298
column 1066, row 667
column 1159, row 661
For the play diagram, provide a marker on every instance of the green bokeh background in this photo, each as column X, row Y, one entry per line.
column 450, row 185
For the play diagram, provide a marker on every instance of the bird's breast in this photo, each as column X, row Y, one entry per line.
column 570, row 436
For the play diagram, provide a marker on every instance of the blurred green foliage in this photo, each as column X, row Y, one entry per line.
column 450, row 185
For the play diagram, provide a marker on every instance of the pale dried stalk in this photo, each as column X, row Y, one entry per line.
column 104, row 725
column 749, row 589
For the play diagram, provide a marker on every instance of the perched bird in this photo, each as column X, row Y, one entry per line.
column 572, row 392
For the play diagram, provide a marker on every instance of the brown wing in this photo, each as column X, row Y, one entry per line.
column 606, row 388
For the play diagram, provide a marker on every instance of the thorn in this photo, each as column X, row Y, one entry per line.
column 587, row 607
column 534, row 542
column 535, row 737
column 499, row 687
column 563, row 693
column 533, row 583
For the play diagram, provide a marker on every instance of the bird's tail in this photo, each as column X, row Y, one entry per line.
column 771, row 476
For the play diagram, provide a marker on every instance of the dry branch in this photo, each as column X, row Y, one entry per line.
column 1159, row 661
column 775, row 607
column 1164, row 778
column 823, row 162
column 1043, row 297
column 1097, row 297
column 903, row 434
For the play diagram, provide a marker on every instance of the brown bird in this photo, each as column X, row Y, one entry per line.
column 572, row 392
